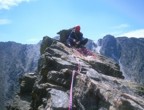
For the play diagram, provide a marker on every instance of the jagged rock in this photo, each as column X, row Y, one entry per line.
column 22, row 101
column 19, row 103
column 98, row 82
column 58, row 100
column 46, row 42
column 93, row 95
column 27, row 82
column 107, row 67
column 93, row 89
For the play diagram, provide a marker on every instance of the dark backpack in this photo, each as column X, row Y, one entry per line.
column 64, row 34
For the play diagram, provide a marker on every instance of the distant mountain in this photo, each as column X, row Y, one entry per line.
column 15, row 60
column 128, row 52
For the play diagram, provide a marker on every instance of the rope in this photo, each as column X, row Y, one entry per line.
column 71, row 88
column 78, row 69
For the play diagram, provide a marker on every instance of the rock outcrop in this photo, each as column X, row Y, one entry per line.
column 98, row 85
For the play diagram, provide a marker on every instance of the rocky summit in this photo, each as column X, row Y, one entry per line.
column 98, row 82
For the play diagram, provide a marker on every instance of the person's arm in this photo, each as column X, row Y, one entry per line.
column 71, row 37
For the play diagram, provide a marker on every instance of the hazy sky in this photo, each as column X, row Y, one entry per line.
column 27, row 21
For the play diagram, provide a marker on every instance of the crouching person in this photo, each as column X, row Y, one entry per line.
column 76, row 39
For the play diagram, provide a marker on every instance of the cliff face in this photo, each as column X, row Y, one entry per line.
column 16, row 59
column 128, row 52
column 98, row 83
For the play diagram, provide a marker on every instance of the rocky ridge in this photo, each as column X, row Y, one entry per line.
column 99, row 85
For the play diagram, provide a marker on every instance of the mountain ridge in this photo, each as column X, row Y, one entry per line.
column 128, row 52
column 101, row 47
column 16, row 59
column 99, row 85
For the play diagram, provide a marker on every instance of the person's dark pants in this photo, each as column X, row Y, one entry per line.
column 70, row 42
column 82, row 43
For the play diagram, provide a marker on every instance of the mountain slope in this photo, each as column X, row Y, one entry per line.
column 16, row 59
column 128, row 52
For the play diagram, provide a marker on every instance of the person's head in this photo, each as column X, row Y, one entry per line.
column 77, row 28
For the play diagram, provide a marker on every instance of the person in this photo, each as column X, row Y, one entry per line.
column 76, row 39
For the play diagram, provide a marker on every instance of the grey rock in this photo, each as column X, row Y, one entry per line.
column 59, row 99
column 27, row 83
column 98, row 82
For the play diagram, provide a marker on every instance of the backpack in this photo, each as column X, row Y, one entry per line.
column 64, row 34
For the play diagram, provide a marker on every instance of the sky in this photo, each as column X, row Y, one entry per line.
column 28, row 21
